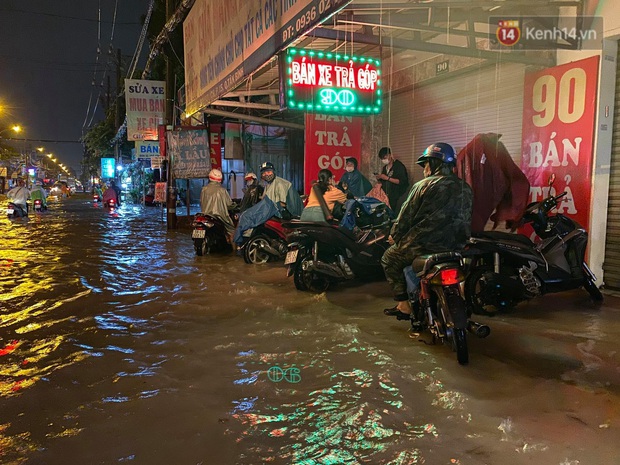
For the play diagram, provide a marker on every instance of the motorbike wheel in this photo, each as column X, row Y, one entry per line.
column 594, row 291
column 477, row 295
column 253, row 253
column 453, row 308
column 200, row 246
column 310, row 281
column 459, row 345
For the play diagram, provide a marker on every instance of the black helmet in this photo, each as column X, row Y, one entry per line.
column 267, row 166
column 440, row 151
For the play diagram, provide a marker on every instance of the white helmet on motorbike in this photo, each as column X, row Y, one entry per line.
column 215, row 175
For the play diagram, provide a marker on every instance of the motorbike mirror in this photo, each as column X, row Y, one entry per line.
column 551, row 179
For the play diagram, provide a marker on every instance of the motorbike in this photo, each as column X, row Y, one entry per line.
column 38, row 206
column 507, row 268
column 266, row 242
column 209, row 233
column 439, row 304
column 110, row 204
column 321, row 254
column 96, row 198
column 13, row 210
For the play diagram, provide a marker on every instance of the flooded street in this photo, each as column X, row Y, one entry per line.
column 119, row 345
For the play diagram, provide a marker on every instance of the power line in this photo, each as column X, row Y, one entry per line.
column 17, row 10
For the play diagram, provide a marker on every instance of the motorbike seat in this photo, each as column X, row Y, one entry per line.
column 505, row 236
column 423, row 263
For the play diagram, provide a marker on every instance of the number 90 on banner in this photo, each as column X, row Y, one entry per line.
column 566, row 99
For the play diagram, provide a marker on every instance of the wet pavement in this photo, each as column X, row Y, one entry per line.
column 119, row 345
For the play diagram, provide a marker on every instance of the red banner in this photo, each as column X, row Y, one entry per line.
column 329, row 140
column 559, row 110
column 215, row 145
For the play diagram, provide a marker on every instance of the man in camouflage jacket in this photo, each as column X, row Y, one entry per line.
column 436, row 217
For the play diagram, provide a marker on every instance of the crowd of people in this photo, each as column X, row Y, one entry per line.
column 432, row 216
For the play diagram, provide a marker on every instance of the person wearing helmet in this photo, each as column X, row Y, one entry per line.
column 394, row 178
column 215, row 200
column 252, row 192
column 38, row 193
column 435, row 217
column 353, row 183
column 280, row 191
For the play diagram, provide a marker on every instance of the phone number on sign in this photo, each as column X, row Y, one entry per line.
column 308, row 17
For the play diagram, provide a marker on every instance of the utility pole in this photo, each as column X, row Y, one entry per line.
column 117, row 104
column 171, row 197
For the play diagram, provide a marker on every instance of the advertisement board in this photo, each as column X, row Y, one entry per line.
column 325, row 82
column 559, row 109
column 215, row 145
column 145, row 150
column 108, row 167
column 189, row 152
column 146, row 108
column 329, row 140
column 226, row 41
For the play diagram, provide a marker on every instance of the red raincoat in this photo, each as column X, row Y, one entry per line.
column 498, row 183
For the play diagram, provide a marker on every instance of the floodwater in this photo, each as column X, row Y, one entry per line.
column 119, row 345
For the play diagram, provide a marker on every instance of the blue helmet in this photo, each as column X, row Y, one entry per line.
column 440, row 151
column 266, row 167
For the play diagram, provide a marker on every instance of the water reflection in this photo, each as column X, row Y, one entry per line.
column 117, row 342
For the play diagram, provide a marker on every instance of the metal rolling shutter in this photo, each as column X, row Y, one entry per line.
column 611, row 265
column 455, row 109
column 489, row 99
column 398, row 124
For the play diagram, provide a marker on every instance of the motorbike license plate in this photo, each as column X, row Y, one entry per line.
column 198, row 234
column 291, row 257
column 9, row 211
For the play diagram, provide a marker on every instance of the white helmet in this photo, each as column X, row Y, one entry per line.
column 250, row 176
column 215, row 175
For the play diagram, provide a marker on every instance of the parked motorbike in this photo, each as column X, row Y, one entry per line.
column 209, row 233
column 439, row 304
column 266, row 242
column 320, row 254
column 13, row 210
column 507, row 268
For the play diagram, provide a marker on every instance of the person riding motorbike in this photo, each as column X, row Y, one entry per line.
column 19, row 195
column 38, row 193
column 280, row 191
column 117, row 190
column 331, row 195
column 111, row 193
column 215, row 201
column 253, row 192
column 435, row 217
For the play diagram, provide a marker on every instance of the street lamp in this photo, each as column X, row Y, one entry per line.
column 16, row 128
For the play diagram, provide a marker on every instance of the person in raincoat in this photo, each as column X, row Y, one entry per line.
column 252, row 192
column 280, row 191
column 353, row 183
column 215, row 200
column 435, row 217
column 38, row 193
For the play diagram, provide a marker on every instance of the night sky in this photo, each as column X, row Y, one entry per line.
column 48, row 51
